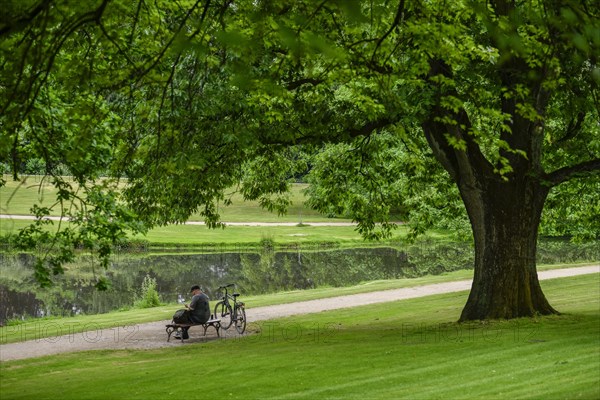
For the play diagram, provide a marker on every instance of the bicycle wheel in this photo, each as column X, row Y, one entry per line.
column 240, row 319
column 224, row 312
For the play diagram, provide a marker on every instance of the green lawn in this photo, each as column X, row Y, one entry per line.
column 407, row 349
column 200, row 235
column 18, row 197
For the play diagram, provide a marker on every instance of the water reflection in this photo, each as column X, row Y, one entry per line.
column 261, row 272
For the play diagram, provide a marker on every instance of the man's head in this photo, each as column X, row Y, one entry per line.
column 195, row 289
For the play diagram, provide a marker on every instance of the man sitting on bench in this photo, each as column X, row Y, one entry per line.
column 198, row 311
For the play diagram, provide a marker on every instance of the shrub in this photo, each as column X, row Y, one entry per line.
column 149, row 294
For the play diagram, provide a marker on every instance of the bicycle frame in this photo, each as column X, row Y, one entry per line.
column 230, row 310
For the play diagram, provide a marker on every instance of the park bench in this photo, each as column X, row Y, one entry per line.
column 174, row 327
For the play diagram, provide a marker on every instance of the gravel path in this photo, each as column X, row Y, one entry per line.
column 152, row 335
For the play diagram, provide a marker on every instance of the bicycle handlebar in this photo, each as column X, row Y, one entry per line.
column 226, row 286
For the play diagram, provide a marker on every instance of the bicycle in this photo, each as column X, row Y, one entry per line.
column 229, row 314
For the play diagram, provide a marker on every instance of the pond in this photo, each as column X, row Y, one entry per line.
column 264, row 271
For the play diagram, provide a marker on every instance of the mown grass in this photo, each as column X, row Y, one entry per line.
column 187, row 235
column 407, row 349
column 200, row 235
column 18, row 197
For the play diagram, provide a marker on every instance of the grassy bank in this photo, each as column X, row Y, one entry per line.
column 408, row 349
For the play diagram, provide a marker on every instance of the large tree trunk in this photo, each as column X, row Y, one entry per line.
column 504, row 209
column 505, row 214
column 505, row 217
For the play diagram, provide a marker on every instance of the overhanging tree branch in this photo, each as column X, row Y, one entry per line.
column 139, row 73
column 464, row 157
column 44, row 59
column 20, row 23
column 397, row 19
column 296, row 84
column 564, row 174
column 370, row 127
column 574, row 127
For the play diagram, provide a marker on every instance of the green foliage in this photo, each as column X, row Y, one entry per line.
column 267, row 243
column 573, row 209
column 4, row 169
column 35, row 167
column 188, row 99
column 148, row 296
column 383, row 179
column 98, row 220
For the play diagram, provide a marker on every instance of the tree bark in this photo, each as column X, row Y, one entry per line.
column 505, row 218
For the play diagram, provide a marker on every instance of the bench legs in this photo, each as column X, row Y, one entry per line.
column 216, row 325
column 174, row 328
column 171, row 328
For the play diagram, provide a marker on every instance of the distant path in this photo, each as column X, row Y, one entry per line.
column 152, row 335
column 31, row 217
